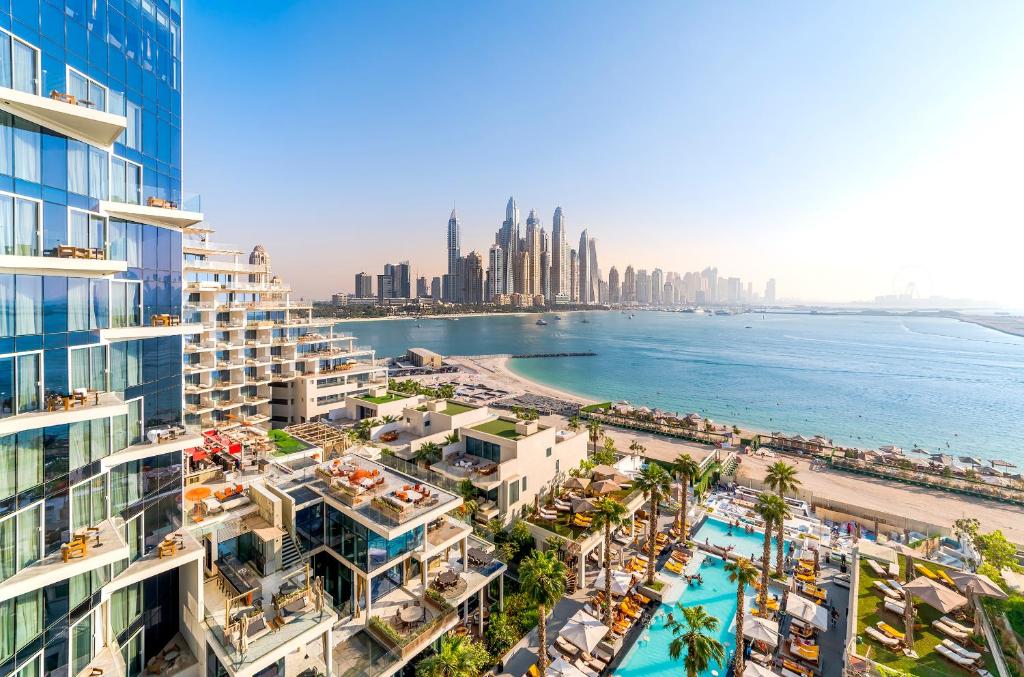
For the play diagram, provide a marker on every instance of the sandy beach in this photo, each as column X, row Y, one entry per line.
column 932, row 506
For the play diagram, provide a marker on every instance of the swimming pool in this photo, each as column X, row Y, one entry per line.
column 648, row 657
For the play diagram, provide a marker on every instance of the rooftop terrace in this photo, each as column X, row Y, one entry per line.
column 383, row 399
column 501, row 428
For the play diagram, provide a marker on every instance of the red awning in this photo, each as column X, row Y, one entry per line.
column 198, row 454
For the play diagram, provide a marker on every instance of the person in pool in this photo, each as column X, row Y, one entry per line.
column 671, row 618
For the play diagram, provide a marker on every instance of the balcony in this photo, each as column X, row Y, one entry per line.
column 104, row 546
column 91, row 126
column 206, row 247
column 229, row 266
column 195, row 388
column 69, row 410
column 225, row 405
column 63, row 265
column 170, row 217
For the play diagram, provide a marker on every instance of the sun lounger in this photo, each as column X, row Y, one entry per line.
column 925, row 571
column 953, row 646
column 881, row 638
column 877, row 570
column 566, row 647
column 805, row 651
column 891, row 631
column 944, row 577
column 954, row 656
column 582, row 667
column 534, row 671
column 949, row 630
column 948, row 620
column 897, row 608
column 674, row 567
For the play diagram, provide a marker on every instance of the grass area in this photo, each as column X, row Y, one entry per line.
column 454, row 408
column 563, row 525
column 591, row 408
column 501, row 428
column 383, row 399
column 285, row 443
column 870, row 611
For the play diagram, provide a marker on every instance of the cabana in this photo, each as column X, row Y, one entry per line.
column 807, row 611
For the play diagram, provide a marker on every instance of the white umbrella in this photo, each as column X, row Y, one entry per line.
column 761, row 630
column 584, row 631
column 752, row 669
column 807, row 611
column 563, row 668
column 621, row 582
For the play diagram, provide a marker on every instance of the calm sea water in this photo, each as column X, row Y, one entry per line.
column 866, row 381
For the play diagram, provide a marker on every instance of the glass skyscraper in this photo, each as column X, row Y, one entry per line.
column 91, row 222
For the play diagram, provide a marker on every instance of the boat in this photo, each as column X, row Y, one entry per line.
column 586, row 321
column 542, row 321
column 558, row 317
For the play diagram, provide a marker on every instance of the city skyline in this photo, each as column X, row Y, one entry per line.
column 701, row 128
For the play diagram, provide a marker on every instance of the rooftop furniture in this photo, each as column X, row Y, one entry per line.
column 882, row 638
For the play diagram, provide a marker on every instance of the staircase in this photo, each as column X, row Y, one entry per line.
column 291, row 556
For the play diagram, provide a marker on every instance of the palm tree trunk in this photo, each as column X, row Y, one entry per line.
column 738, row 665
column 778, row 544
column 542, row 639
column 766, row 555
column 682, row 526
column 908, row 606
column 652, row 527
column 608, row 573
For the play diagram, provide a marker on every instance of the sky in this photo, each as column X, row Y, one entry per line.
column 845, row 149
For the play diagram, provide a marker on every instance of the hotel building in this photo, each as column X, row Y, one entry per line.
column 91, row 222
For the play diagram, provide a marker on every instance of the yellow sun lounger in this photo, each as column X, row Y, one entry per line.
column 891, row 631
column 806, row 652
column 807, row 578
column 945, row 578
column 674, row 567
column 925, row 571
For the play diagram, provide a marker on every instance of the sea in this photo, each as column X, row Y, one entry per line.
column 936, row 383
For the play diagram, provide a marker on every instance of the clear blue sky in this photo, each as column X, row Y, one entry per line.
column 841, row 148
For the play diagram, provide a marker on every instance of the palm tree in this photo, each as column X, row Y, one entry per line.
column 782, row 478
column 908, row 605
column 594, row 430
column 451, row 438
column 389, row 418
column 457, row 657
column 608, row 513
column 771, row 508
column 637, row 448
column 686, row 469
column 742, row 573
column 542, row 579
column 693, row 634
column 655, row 483
column 429, row 452
column 574, row 423
column 447, row 391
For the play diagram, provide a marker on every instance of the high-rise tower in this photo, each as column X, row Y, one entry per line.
column 454, row 246
column 586, row 290
column 559, row 254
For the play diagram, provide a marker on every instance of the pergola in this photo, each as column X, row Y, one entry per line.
column 320, row 434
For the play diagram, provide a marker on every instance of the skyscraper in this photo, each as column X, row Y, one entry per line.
column 471, row 273
column 710, row 276
column 508, row 238
column 533, row 249
column 629, row 286
column 593, row 270
column 401, row 283
column 106, row 321
column 421, row 287
column 769, row 291
column 574, row 276
column 364, row 285
column 583, row 267
column 613, row 285
column 496, row 273
column 643, row 287
column 454, row 246
column 435, row 288
column 657, row 287
column 559, row 254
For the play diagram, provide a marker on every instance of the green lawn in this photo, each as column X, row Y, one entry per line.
column 285, row 443
column 499, row 427
column 383, row 399
column 590, row 408
column 454, row 408
column 870, row 610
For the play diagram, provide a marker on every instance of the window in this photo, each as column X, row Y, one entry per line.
column 125, row 308
column 27, row 150
column 89, row 368
column 19, row 225
column 558, row 465
column 18, row 64
column 547, row 454
column 89, row 93
column 125, row 181
column 88, row 503
column 21, row 542
column 21, row 462
column 524, row 485
column 87, row 230
column 513, row 493
column 81, row 644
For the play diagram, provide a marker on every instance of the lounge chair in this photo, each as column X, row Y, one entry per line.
column 877, row 570
column 925, row 571
column 897, row 608
column 534, row 671
column 674, row 567
column 809, row 652
column 953, row 656
column 891, row 631
column 949, row 631
column 966, row 653
column 881, row 638
column 944, row 577
column 948, row 620
column 566, row 647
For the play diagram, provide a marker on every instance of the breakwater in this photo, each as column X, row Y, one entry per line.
column 527, row 356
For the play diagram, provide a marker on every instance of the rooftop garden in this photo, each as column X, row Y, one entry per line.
column 286, row 444
column 499, row 427
column 454, row 408
column 929, row 663
column 382, row 399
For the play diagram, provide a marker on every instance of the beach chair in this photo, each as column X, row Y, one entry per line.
column 896, row 607
column 954, row 657
column 875, row 569
column 534, row 671
column 972, row 655
column 891, row 631
column 881, row 638
column 944, row 577
column 925, row 571
column 949, row 631
column 948, row 620
column 809, row 652
column 674, row 567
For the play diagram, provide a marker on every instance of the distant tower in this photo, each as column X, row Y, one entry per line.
column 559, row 255
column 533, row 250
column 259, row 257
column 574, row 277
column 613, row 285
column 593, row 270
column 769, row 291
column 454, row 246
column 584, row 268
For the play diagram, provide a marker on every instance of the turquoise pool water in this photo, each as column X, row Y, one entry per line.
column 649, row 656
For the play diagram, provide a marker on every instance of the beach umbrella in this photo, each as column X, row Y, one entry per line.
column 584, row 631
column 604, row 487
column 576, row 483
column 759, row 629
column 621, row 582
column 1002, row 464
column 934, row 594
column 807, row 611
column 563, row 668
column 603, row 471
column 752, row 669
column 582, row 505
column 978, row 584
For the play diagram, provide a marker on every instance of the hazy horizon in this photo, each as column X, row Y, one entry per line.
column 843, row 150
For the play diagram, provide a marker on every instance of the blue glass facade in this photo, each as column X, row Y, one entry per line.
column 62, row 321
